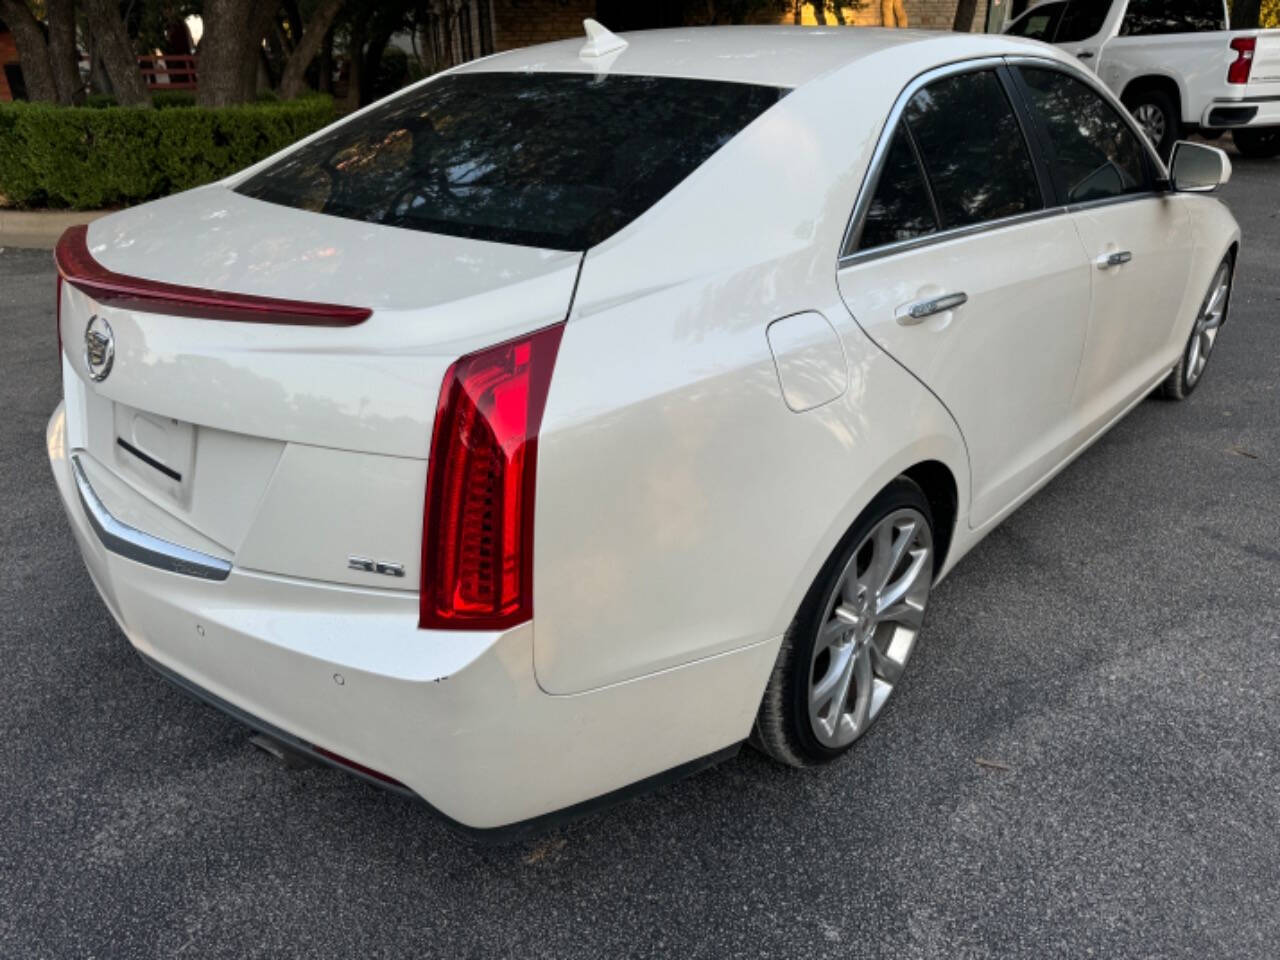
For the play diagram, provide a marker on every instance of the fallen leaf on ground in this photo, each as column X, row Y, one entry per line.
column 993, row 765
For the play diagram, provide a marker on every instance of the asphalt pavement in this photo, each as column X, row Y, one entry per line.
column 1111, row 655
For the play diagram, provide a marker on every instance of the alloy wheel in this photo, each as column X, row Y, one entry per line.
column 869, row 629
column 1208, row 323
column 1151, row 119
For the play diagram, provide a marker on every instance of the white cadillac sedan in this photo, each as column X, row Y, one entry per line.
column 575, row 416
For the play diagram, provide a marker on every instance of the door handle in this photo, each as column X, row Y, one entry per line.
column 1085, row 54
column 922, row 310
column 1117, row 259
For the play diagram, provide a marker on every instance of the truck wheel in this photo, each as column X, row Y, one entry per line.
column 1155, row 113
column 1258, row 142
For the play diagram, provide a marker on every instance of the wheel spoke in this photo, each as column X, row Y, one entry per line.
column 832, row 633
column 834, row 689
column 905, row 537
column 1193, row 355
column 879, row 570
column 865, row 683
column 905, row 613
column 885, row 667
column 894, row 596
column 1216, row 302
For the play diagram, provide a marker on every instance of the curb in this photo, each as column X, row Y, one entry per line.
column 40, row 229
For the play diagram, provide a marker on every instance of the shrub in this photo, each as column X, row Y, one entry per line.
column 87, row 158
column 164, row 99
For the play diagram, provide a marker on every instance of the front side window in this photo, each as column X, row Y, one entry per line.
column 900, row 208
column 972, row 148
column 1098, row 154
column 1150, row 17
column 542, row 159
column 1041, row 23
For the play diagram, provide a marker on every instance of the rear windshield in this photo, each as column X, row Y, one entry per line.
column 548, row 160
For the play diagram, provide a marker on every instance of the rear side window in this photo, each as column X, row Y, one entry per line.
column 1040, row 24
column 1098, row 155
column 901, row 208
column 1147, row 17
column 972, row 148
column 547, row 160
column 1081, row 20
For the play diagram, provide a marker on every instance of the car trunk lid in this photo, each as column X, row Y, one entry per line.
column 294, row 438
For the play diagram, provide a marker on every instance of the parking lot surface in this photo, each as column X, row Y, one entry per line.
column 1084, row 759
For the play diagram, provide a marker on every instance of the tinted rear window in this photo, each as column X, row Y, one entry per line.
column 1146, row 17
column 547, row 160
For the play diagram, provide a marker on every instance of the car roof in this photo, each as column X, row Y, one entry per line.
column 782, row 56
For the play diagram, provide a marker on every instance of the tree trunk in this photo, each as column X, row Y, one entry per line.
column 28, row 37
column 63, row 59
column 355, row 65
column 294, row 80
column 372, row 63
column 965, row 12
column 230, row 49
column 115, row 50
column 1245, row 14
column 326, row 65
column 255, row 61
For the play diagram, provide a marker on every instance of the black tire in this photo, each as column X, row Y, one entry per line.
column 783, row 729
column 1185, row 377
column 1152, row 106
column 1258, row 143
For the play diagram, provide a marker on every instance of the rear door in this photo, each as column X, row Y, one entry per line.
column 1081, row 29
column 958, row 269
column 1139, row 241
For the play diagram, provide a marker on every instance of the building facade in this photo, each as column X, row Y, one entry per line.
column 520, row 23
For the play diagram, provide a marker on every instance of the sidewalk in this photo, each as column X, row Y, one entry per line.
column 40, row 229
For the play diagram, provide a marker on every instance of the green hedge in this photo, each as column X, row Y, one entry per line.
column 87, row 158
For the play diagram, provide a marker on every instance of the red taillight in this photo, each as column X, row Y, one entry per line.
column 477, row 538
column 1238, row 72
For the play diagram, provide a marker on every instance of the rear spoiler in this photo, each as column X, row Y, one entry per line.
column 77, row 266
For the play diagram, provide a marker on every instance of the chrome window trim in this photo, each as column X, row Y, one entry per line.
column 871, row 179
column 954, row 233
column 133, row 544
column 1112, row 201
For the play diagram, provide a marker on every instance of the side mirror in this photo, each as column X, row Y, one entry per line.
column 1196, row 168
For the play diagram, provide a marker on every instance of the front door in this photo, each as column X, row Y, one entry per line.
column 1138, row 241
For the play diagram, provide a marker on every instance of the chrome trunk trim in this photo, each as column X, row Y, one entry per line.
column 134, row 544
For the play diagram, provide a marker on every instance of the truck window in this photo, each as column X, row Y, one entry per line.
column 1040, row 23
column 1081, row 20
column 1151, row 17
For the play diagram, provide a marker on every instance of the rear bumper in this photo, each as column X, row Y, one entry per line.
column 457, row 718
column 1230, row 114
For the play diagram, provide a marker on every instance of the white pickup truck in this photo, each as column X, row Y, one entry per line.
column 1174, row 64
